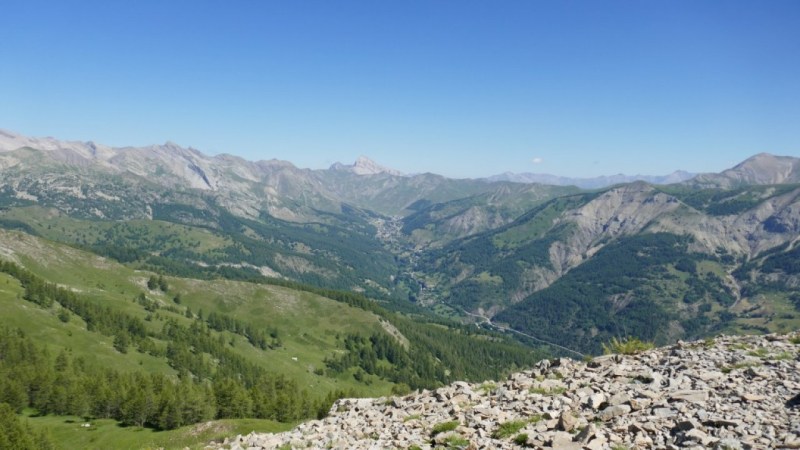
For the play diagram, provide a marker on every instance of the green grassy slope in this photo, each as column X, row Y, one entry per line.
column 306, row 323
column 67, row 433
column 306, row 334
column 206, row 242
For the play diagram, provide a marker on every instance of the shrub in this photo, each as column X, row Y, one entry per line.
column 488, row 387
column 400, row 389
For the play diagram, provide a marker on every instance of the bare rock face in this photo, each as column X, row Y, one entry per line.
column 617, row 212
column 731, row 393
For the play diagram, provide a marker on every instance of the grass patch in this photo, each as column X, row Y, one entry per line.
column 795, row 340
column 760, row 352
column 782, row 356
column 737, row 366
column 521, row 439
column 444, row 427
column 106, row 433
column 412, row 417
column 456, row 441
column 508, row 429
column 627, row 346
column 548, row 391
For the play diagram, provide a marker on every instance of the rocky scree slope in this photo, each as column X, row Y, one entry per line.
column 726, row 393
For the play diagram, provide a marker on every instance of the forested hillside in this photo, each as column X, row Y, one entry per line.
column 84, row 336
column 657, row 262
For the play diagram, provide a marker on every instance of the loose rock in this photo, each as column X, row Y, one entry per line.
column 681, row 397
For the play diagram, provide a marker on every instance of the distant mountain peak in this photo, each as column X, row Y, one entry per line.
column 764, row 158
column 365, row 166
column 591, row 183
column 763, row 168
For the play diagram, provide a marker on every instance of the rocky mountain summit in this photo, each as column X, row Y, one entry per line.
column 724, row 393
column 762, row 168
column 365, row 166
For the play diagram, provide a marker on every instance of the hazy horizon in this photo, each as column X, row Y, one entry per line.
column 665, row 173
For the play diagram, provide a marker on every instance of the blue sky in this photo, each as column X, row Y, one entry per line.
column 461, row 88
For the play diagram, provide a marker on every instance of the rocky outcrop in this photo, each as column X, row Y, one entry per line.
column 726, row 393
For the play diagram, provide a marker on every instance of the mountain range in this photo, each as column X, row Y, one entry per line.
column 592, row 183
column 159, row 287
column 700, row 253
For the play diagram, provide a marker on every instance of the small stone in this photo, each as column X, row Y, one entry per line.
column 664, row 412
column 567, row 421
column 710, row 375
column 586, row 434
column 563, row 441
column 619, row 399
column 596, row 444
column 728, row 444
column 753, row 397
column 649, row 394
column 756, row 373
column 693, row 396
column 685, row 425
column 597, row 400
column 721, row 423
column 603, row 361
column 638, row 404
column 614, row 411
column 642, row 441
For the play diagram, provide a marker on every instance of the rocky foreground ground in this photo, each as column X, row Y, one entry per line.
column 726, row 393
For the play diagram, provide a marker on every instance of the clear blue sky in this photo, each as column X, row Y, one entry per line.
column 460, row 88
